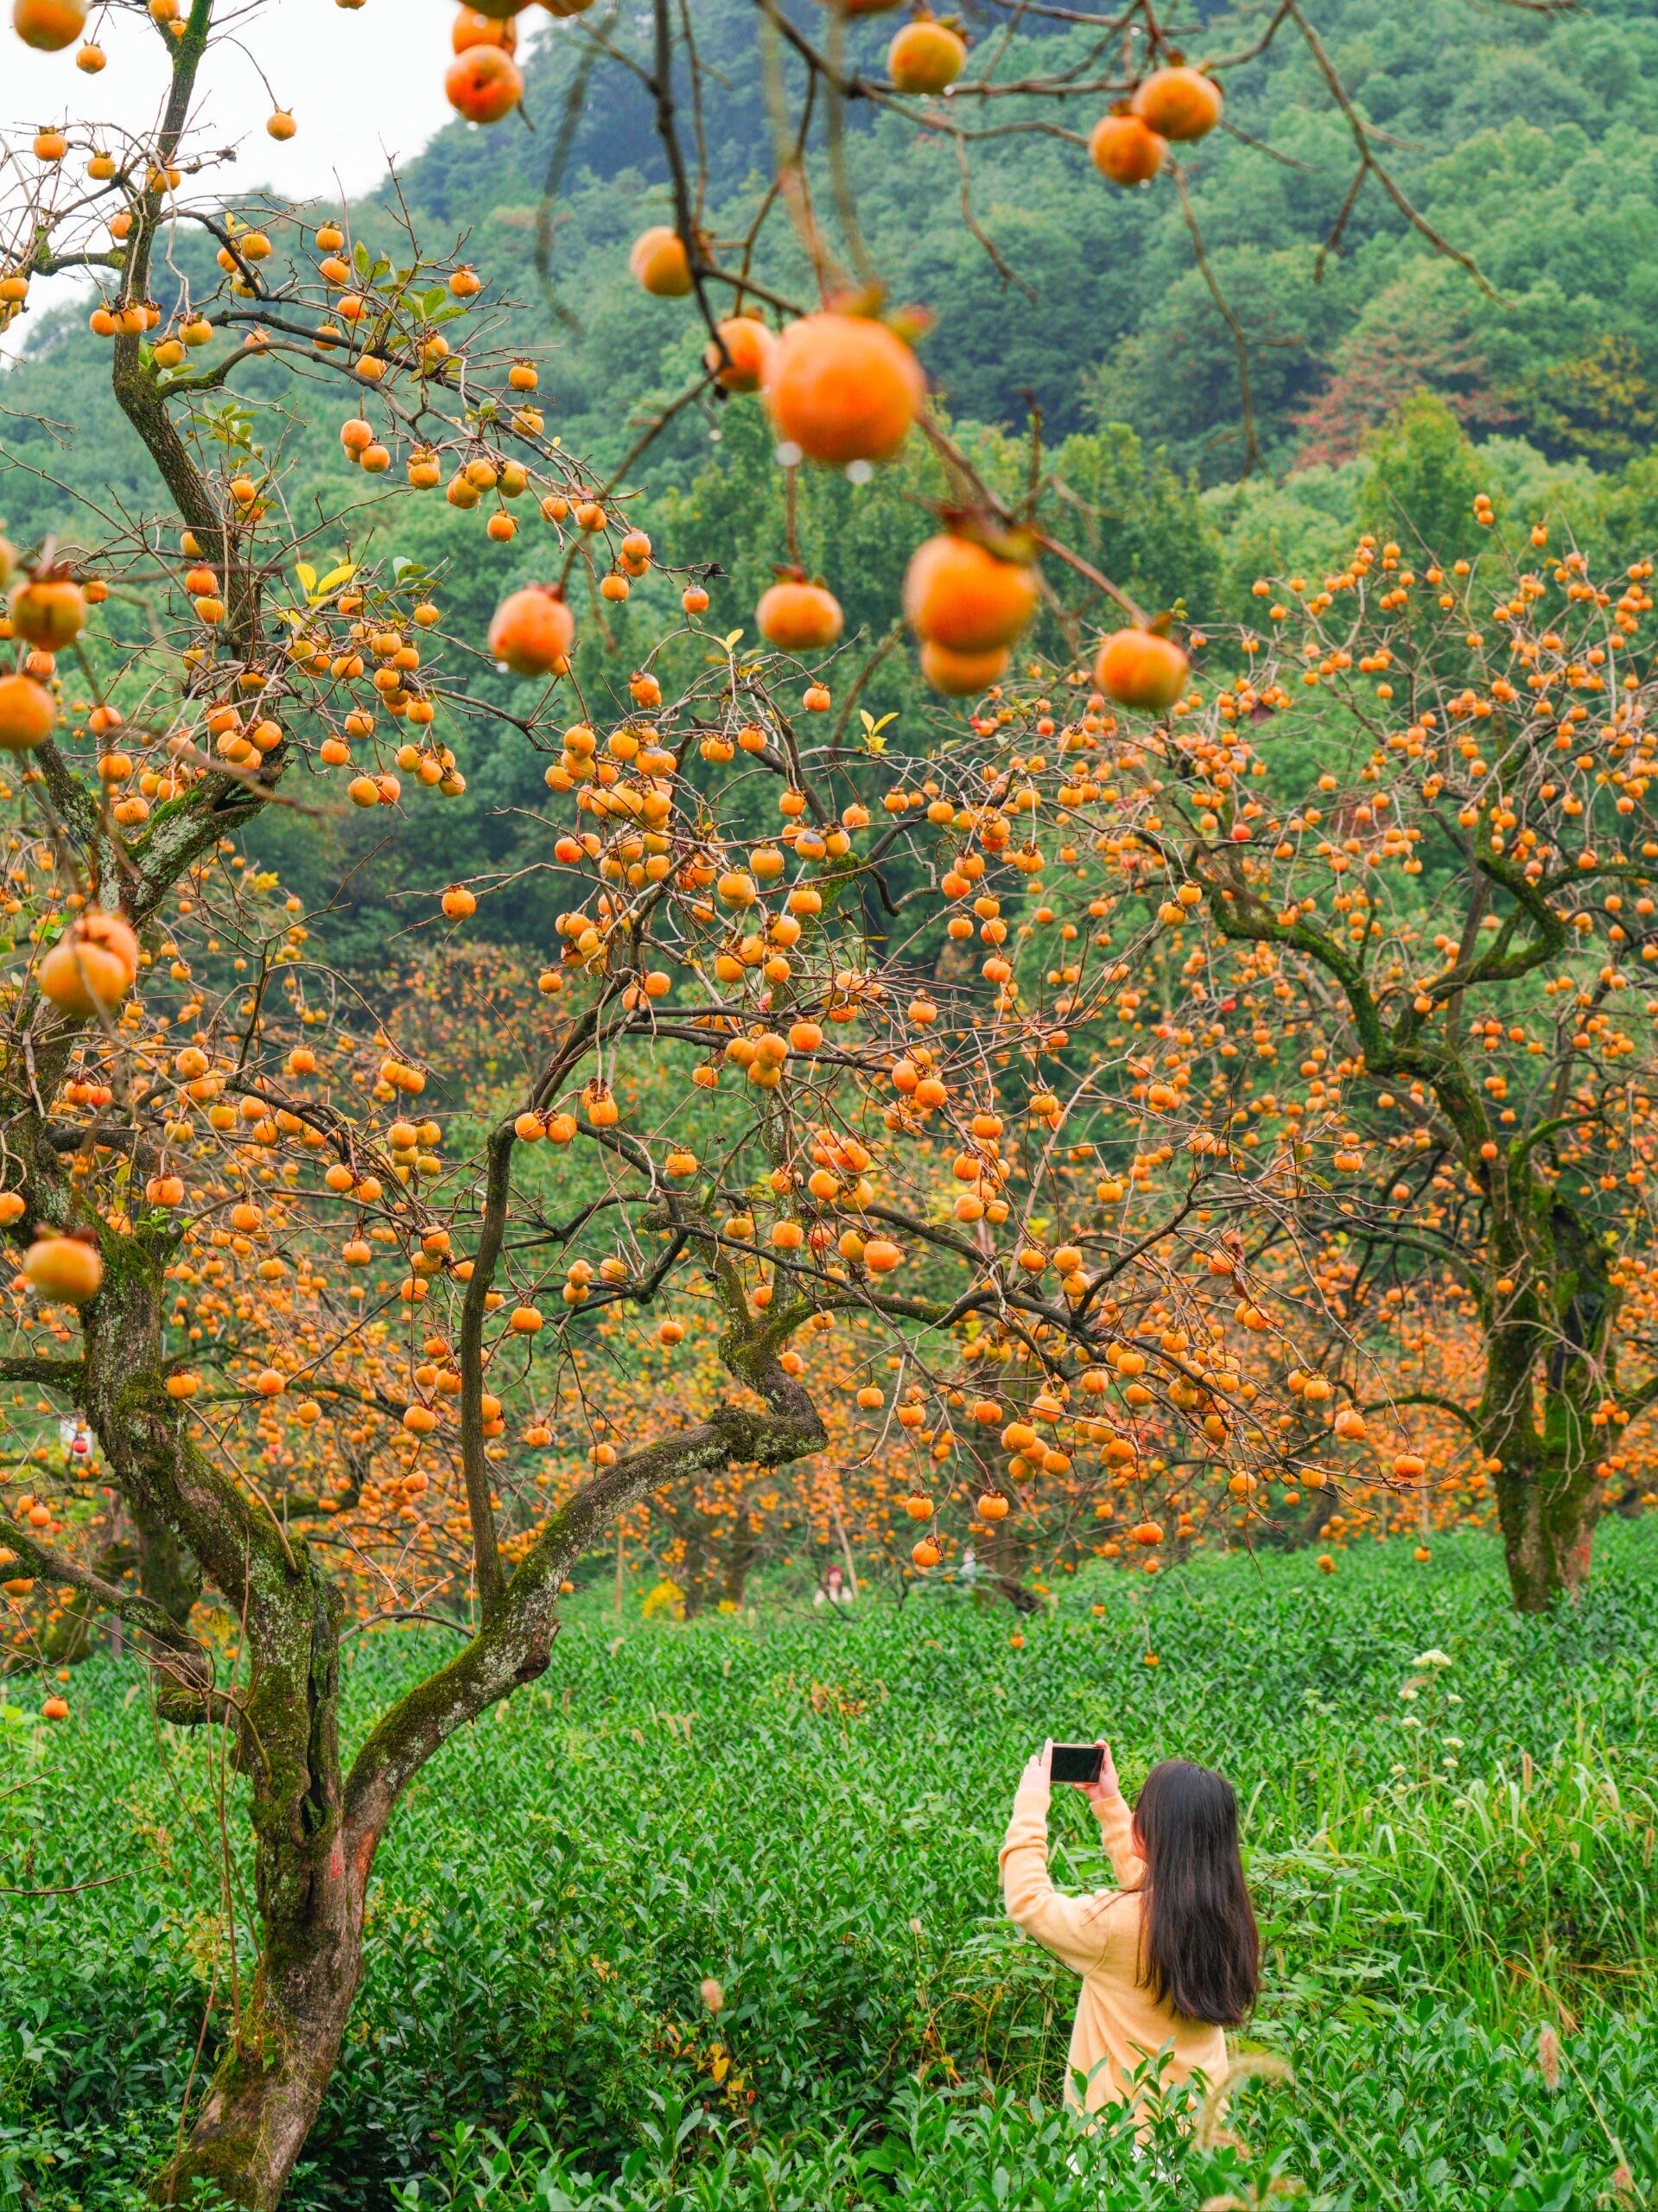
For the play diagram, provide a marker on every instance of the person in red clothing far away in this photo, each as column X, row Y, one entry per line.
column 1170, row 1959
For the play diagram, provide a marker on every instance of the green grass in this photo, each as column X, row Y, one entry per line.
column 809, row 1808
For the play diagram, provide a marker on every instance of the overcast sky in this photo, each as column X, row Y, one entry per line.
column 362, row 84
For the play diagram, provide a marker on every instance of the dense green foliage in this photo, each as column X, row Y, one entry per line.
column 808, row 1808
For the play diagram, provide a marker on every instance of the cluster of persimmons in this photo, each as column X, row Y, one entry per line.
column 1044, row 1054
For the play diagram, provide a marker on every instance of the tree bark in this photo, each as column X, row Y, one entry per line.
column 1550, row 1351
column 1548, row 1515
column 275, row 2071
column 1006, row 1554
column 692, row 1573
column 744, row 1550
column 167, row 1573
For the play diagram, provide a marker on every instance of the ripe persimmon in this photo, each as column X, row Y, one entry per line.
column 799, row 617
column 92, row 965
column 64, row 1268
column 48, row 25
column 959, row 594
column 49, row 612
column 473, row 28
column 1126, row 150
column 925, row 56
column 749, row 346
column 27, row 714
column 843, row 388
column 961, row 675
column 1138, row 669
column 533, row 630
column 660, row 263
column 483, row 84
column 1178, row 103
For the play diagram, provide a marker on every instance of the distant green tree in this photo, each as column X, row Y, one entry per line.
column 1631, row 514
column 1422, row 481
column 1138, row 519
column 1602, row 404
column 1300, row 527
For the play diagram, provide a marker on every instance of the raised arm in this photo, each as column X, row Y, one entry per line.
column 1116, row 1823
column 1071, row 1927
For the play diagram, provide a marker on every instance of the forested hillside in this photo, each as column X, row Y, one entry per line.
column 1527, row 142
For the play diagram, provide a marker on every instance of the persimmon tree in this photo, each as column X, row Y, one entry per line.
column 847, row 1035
column 1437, row 917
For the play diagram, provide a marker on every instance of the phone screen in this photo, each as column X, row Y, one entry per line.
column 1077, row 1762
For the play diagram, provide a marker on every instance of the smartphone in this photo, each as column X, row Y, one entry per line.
column 1077, row 1762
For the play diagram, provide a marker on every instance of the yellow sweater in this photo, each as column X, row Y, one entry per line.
column 1119, row 2023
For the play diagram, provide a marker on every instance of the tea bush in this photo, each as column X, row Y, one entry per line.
column 1450, row 1861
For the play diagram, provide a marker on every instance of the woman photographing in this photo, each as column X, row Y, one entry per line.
column 1170, row 1959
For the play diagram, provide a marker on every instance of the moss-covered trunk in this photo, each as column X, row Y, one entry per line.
column 309, row 1888
column 167, row 1573
column 1548, row 1366
column 1548, row 1518
column 739, row 1561
column 274, row 2072
column 280, row 1705
column 316, row 1831
column 1006, row 1555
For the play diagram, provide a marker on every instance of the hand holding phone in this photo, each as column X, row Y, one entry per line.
column 1079, row 1762
column 1099, row 1783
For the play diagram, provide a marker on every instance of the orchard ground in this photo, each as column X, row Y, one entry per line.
column 1452, row 1818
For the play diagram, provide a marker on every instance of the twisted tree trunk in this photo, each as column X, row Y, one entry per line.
column 275, row 2071
column 1548, row 1352
column 317, row 1831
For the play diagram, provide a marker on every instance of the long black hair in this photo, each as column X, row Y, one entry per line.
column 1199, row 1950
